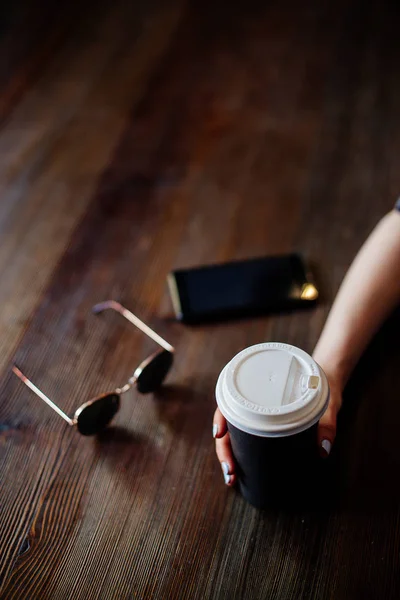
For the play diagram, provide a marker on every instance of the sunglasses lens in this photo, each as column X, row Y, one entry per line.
column 151, row 376
column 98, row 414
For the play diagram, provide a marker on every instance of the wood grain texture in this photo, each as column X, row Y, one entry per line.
column 143, row 137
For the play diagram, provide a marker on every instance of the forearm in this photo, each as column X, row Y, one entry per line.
column 368, row 294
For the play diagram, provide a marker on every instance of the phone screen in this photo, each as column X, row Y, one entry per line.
column 241, row 288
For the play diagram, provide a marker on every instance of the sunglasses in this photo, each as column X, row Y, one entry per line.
column 95, row 414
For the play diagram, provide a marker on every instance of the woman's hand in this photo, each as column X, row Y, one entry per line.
column 223, row 448
column 325, row 436
column 327, row 425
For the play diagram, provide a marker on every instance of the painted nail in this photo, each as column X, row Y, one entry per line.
column 227, row 478
column 215, row 430
column 225, row 468
column 327, row 446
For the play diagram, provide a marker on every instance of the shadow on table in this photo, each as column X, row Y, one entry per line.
column 367, row 457
column 185, row 410
column 178, row 408
column 116, row 436
column 125, row 449
column 119, row 443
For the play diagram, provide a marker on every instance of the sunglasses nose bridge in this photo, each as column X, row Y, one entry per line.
column 125, row 388
column 132, row 381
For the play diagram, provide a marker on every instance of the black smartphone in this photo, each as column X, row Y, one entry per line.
column 241, row 288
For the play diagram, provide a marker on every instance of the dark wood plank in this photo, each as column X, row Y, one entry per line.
column 176, row 135
column 56, row 143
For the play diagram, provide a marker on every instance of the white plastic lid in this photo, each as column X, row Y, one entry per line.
column 272, row 389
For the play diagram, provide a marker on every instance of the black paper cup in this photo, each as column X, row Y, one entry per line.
column 276, row 472
column 272, row 396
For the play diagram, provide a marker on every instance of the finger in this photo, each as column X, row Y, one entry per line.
column 219, row 424
column 225, row 457
column 327, row 431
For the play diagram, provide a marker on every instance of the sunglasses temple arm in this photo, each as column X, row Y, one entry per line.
column 39, row 393
column 134, row 320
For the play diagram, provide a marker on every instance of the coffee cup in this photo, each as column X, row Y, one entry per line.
column 272, row 396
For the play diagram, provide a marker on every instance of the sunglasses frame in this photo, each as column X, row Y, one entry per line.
column 132, row 381
column 88, row 403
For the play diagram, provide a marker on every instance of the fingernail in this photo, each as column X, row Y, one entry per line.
column 225, row 468
column 215, row 430
column 227, row 478
column 327, row 446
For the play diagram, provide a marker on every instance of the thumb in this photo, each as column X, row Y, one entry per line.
column 327, row 430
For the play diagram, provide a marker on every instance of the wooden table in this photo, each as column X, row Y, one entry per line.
column 140, row 137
